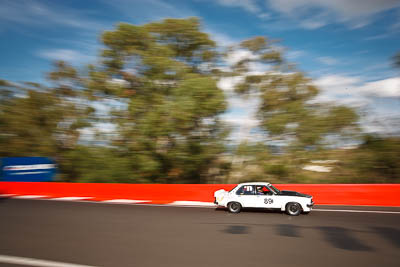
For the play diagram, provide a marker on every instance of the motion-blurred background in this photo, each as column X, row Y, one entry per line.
column 203, row 91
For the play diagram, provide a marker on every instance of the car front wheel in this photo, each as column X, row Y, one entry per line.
column 234, row 207
column 293, row 209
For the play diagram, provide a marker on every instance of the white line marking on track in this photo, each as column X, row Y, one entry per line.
column 192, row 203
column 124, row 201
column 70, row 198
column 36, row 262
column 29, row 196
column 360, row 211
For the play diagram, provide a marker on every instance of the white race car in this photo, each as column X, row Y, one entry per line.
column 263, row 195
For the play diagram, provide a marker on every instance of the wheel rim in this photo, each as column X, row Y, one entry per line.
column 234, row 206
column 293, row 209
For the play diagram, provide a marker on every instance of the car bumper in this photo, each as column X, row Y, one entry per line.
column 310, row 205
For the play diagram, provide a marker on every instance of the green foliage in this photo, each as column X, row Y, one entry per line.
column 255, row 44
column 287, row 111
column 379, row 159
column 97, row 165
column 170, row 128
column 4, row 83
column 39, row 123
column 279, row 170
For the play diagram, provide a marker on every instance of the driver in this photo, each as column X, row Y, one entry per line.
column 260, row 190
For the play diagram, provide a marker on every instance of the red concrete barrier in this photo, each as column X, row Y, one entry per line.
column 324, row 194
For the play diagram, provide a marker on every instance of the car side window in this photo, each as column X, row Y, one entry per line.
column 245, row 190
column 263, row 190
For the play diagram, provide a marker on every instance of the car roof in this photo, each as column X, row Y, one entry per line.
column 255, row 183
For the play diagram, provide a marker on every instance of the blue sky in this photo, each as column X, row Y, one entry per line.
column 344, row 45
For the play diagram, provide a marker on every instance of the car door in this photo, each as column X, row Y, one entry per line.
column 246, row 196
column 265, row 198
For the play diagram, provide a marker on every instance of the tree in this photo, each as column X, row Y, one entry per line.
column 166, row 107
column 161, row 72
column 36, row 120
column 378, row 159
column 287, row 111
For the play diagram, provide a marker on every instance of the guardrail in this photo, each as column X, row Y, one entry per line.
column 324, row 194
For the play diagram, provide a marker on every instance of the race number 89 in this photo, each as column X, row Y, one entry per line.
column 268, row 201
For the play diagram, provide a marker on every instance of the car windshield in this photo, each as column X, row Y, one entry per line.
column 232, row 189
column 276, row 190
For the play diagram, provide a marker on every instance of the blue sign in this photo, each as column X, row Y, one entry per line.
column 27, row 169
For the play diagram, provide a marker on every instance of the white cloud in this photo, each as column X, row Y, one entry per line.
column 255, row 68
column 355, row 13
column 314, row 14
column 313, row 20
column 238, row 55
column 387, row 122
column 327, row 60
column 248, row 5
column 243, row 121
column 342, row 85
column 340, row 89
column 150, row 10
column 35, row 13
column 370, row 96
column 337, row 82
column 312, row 24
column 229, row 83
column 383, row 88
column 248, row 104
column 88, row 134
column 294, row 54
column 377, row 100
column 241, row 111
column 68, row 55
column 221, row 38
column 378, row 36
column 243, row 125
column 264, row 16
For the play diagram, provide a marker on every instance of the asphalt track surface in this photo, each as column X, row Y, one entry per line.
column 139, row 235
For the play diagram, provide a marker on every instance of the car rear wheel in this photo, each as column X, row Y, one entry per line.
column 293, row 209
column 234, row 207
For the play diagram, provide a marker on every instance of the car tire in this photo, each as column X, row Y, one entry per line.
column 234, row 207
column 293, row 209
